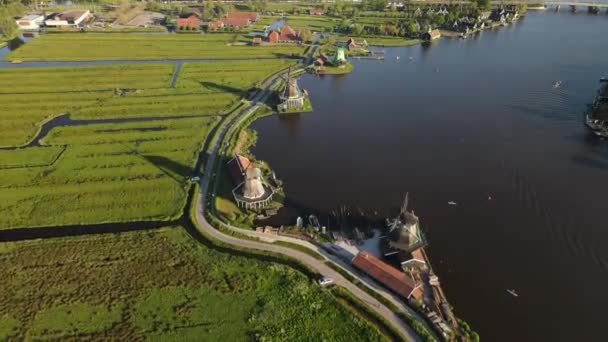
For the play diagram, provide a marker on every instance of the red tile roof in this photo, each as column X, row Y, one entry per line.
column 273, row 37
column 315, row 11
column 191, row 22
column 238, row 22
column 386, row 274
column 253, row 16
column 288, row 35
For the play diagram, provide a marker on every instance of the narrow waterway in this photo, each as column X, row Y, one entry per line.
column 477, row 122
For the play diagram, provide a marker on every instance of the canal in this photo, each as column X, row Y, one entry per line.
column 477, row 122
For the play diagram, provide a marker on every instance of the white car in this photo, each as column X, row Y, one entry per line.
column 325, row 281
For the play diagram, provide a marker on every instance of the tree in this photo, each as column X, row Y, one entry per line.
column 258, row 5
column 306, row 35
column 8, row 28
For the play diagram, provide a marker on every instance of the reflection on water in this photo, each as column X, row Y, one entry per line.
column 464, row 121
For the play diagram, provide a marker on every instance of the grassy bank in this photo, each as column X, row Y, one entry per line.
column 161, row 285
column 116, row 46
column 339, row 70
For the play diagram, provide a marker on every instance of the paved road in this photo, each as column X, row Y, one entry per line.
column 317, row 265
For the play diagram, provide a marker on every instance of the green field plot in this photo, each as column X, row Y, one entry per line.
column 312, row 23
column 30, row 157
column 108, row 173
column 68, row 47
column 66, row 79
column 235, row 77
column 161, row 285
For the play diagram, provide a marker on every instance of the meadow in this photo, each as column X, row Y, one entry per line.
column 111, row 46
column 161, row 285
column 106, row 171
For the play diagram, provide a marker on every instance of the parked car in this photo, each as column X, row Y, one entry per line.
column 325, row 281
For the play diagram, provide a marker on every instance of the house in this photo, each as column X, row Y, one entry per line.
column 416, row 262
column 315, row 11
column 320, row 61
column 71, row 18
column 251, row 16
column 30, row 22
column 215, row 25
column 237, row 22
column 192, row 22
column 273, row 37
column 431, row 35
column 288, row 35
column 388, row 276
column 256, row 41
column 351, row 45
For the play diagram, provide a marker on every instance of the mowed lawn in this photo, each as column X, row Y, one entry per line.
column 89, row 47
column 106, row 171
column 161, row 285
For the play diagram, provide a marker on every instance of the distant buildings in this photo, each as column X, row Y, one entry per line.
column 431, row 35
column 73, row 18
column 30, row 22
column 315, row 11
column 234, row 19
column 288, row 35
column 191, row 22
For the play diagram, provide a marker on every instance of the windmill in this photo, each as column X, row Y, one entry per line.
column 396, row 222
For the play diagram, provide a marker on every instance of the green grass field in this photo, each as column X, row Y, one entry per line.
column 312, row 23
column 110, row 46
column 161, row 285
column 112, row 172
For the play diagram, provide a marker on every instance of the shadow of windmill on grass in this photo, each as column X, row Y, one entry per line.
column 173, row 169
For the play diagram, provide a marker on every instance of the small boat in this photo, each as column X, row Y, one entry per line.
column 411, row 58
column 513, row 293
column 557, row 84
column 452, row 203
column 397, row 57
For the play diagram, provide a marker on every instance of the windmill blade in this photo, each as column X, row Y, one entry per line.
column 405, row 203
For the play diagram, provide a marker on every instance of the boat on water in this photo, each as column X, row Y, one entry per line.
column 597, row 116
column 512, row 293
column 557, row 84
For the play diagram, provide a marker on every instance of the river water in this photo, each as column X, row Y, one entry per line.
column 477, row 122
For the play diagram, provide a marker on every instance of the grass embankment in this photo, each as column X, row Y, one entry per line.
column 161, row 285
column 64, row 47
column 337, row 70
column 111, row 172
column 384, row 41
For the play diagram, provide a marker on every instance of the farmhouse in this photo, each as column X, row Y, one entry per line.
column 30, row 22
column 192, row 22
column 288, row 35
column 215, row 25
column 431, row 34
column 251, row 16
column 71, row 18
column 273, row 37
column 388, row 276
column 315, row 11
column 237, row 22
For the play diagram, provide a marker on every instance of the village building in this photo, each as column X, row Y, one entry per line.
column 288, row 35
column 251, row 16
column 416, row 263
column 388, row 276
column 191, row 22
column 237, row 22
column 215, row 25
column 71, row 18
column 431, row 34
column 315, row 11
column 273, row 37
column 256, row 41
column 30, row 22
column 292, row 97
column 250, row 192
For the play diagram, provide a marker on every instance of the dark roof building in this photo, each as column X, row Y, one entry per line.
column 387, row 275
